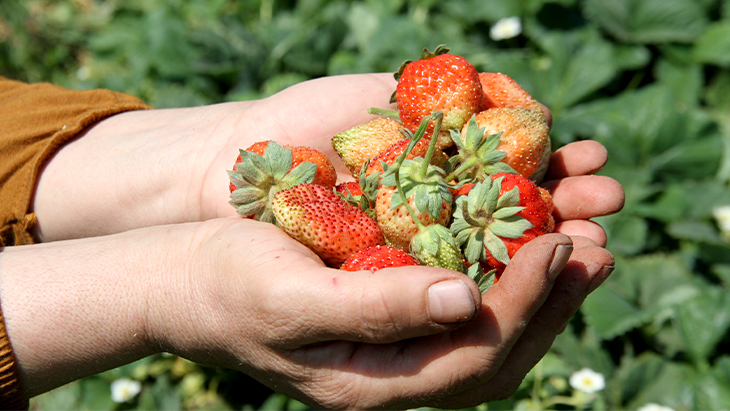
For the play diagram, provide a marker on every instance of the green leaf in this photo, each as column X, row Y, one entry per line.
column 627, row 235
column 669, row 388
column 713, row 46
column 610, row 314
column 699, row 231
column 496, row 247
column 648, row 21
column 703, row 321
column 711, row 392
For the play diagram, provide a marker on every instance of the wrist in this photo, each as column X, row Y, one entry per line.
column 144, row 168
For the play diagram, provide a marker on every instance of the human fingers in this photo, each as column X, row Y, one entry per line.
column 436, row 369
column 583, row 228
column 577, row 158
column 588, row 267
column 584, row 197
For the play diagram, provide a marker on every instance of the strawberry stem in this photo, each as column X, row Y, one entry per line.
column 432, row 144
column 463, row 167
column 414, row 140
column 399, row 189
column 384, row 112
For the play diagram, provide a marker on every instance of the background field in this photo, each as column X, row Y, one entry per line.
column 650, row 79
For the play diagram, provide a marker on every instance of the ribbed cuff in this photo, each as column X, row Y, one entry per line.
column 11, row 396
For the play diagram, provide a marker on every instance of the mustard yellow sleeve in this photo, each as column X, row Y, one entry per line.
column 35, row 121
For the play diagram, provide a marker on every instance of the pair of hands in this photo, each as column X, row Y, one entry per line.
column 183, row 278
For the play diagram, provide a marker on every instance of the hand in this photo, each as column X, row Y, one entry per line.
column 153, row 167
column 156, row 167
column 241, row 294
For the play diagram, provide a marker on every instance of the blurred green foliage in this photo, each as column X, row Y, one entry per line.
column 650, row 79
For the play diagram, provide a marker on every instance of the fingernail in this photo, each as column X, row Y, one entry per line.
column 600, row 277
column 560, row 258
column 450, row 302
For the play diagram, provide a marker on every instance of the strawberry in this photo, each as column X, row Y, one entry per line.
column 349, row 188
column 361, row 143
column 524, row 137
column 435, row 246
column 258, row 148
column 396, row 223
column 326, row 175
column 378, row 257
column 321, row 220
column 477, row 156
column 500, row 90
column 497, row 217
column 255, row 178
column 438, row 81
column 412, row 192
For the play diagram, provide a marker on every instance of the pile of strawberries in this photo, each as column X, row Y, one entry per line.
column 448, row 180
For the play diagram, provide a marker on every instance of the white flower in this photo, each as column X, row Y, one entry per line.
column 587, row 380
column 125, row 389
column 654, row 407
column 722, row 215
column 506, row 28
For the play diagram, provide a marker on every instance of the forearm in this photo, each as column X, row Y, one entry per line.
column 76, row 308
column 135, row 169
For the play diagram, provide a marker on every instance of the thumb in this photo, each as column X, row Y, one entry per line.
column 383, row 306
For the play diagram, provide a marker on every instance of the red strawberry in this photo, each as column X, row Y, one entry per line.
column 524, row 137
column 498, row 216
column 536, row 200
column 500, row 90
column 256, row 177
column 361, row 143
column 378, row 257
column 320, row 219
column 438, row 82
column 326, row 175
column 349, row 188
column 259, row 147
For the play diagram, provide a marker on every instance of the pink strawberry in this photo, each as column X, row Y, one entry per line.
column 524, row 137
column 500, row 90
column 320, row 219
column 378, row 257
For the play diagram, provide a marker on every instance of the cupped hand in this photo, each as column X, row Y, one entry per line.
column 255, row 300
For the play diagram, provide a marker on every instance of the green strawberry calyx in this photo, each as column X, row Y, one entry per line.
column 483, row 216
column 418, row 178
column 258, row 178
column 477, row 156
column 484, row 280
